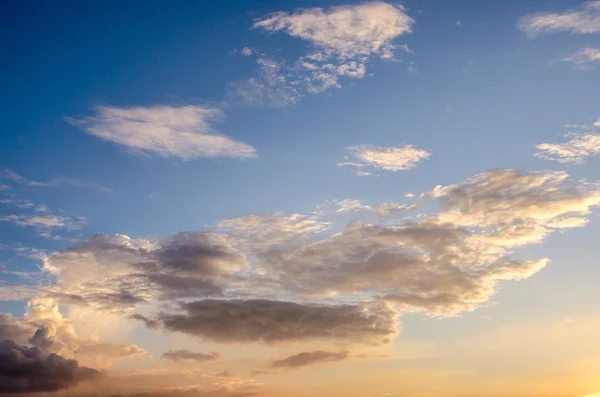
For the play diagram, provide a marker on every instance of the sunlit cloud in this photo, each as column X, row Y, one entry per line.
column 400, row 158
column 343, row 40
column 168, row 131
column 584, row 20
column 584, row 56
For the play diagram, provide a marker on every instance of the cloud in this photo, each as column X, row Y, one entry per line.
column 40, row 218
column 167, row 131
column 346, row 31
column 14, row 329
column 585, row 20
column 57, row 181
column 26, row 370
column 189, row 355
column 574, row 150
column 117, row 272
column 275, row 278
column 271, row 229
column 384, row 158
column 227, row 321
column 343, row 40
column 308, row 358
column 385, row 209
column 584, row 55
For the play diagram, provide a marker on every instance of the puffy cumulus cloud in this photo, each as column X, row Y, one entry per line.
column 308, row 358
column 343, row 38
column 584, row 55
column 509, row 201
column 584, row 20
column 271, row 321
column 167, row 131
column 385, row 158
column 279, row 278
column 575, row 150
column 185, row 354
column 26, row 370
column 15, row 329
column 117, row 272
column 45, row 328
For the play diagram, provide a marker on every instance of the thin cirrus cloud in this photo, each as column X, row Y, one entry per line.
column 384, row 158
column 40, row 218
column 55, row 182
column 167, row 131
column 583, row 20
column 584, row 56
column 343, row 39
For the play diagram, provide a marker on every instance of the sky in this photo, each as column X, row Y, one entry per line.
column 299, row 198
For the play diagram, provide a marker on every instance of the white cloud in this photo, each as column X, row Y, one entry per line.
column 246, row 51
column 346, row 31
column 584, row 55
column 574, row 150
column 40, row 218
column 167, row 131
column 351, row 205
column 385, row 209
column 343, row 39
column 400, row 158
column 584, row 20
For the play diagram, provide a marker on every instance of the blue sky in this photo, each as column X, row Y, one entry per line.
column 156, row 118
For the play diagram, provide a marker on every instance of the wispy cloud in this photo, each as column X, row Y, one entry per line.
column 57, row 181
column 575, row 150
column 343, row 39
column 584, row 56
column 40, row 218
column 584, row 20
column 390, row 158
column 167, row 131
column 582, row 142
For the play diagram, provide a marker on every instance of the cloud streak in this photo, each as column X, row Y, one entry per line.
column 185, row 354
column 167, row 131
column 309, row 358
column 585, row 20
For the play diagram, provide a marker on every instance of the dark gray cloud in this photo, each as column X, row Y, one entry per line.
column 274, row 321
column 307, row 358
column 184, row 354
column 26, row 370
column 150, row 323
